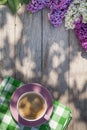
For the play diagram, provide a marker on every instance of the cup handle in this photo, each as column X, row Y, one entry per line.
column 47, row 117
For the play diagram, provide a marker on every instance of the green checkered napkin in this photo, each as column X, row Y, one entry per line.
column 59, row 120
column 7, row 88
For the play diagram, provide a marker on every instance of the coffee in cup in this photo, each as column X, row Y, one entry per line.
column 31, row 106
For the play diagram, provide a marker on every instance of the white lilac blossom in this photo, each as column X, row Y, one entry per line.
column 76, row 9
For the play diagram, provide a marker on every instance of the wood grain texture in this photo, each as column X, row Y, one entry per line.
column 55, row 58
column 6, row 42
column 28, row 46
column 78, row 84
column 32, row 50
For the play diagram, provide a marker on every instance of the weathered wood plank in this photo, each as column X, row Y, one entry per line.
column 6, row 42
column 55, row 59
column 28, row 46
column 78, row 84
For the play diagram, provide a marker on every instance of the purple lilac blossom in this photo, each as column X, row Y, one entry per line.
column 58, row 8
column 56, row 17
column 54, row 4
column 81, row 32
column 57, row 14
column 47, row 3
column 35, row 5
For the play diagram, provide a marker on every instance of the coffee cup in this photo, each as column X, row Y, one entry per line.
column 31, row 106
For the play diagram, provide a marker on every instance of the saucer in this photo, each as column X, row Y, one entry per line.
column 39, row 89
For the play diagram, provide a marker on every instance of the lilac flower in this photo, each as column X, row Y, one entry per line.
column 76, row 9
column 54, row 4
column 56, row 17
column 57, row 14
column 81, row 32
column 47, row 3
column 58, row 8
column 35, row 5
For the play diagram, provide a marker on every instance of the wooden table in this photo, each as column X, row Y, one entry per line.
column 32, row 50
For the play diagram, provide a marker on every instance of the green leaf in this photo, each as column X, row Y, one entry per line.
column 25, row 1
column 14, row 5
column 2, row 2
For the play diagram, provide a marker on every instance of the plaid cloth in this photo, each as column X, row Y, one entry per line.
column 59, row 120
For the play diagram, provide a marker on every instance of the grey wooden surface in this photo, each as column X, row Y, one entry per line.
column 32, row 50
